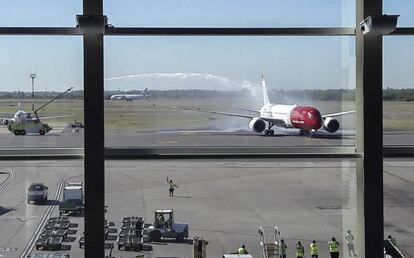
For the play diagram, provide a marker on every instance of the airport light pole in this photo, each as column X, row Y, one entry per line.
column 33, row 76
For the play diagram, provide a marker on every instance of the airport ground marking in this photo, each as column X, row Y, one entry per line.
column 8, row 180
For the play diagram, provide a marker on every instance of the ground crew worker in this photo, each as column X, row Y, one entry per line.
column 350, row 243
column 160, row 220
column 314, row 249
column 334, row 248
column 242, row 250
column 300, row 250
column 282, row 248
column 171, row 185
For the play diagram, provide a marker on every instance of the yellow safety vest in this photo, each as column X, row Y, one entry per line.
column 313, row 249
column 300, row 251
column 172, row 185
column 333, row 247
column 242, row 250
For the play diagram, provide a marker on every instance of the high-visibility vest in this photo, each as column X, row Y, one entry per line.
column 300, row 251
column 242, row 250
column 313, row 249
column 333, row 247
column 283, row 249
column 172, row 185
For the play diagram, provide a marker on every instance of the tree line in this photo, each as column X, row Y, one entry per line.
column 389, row 94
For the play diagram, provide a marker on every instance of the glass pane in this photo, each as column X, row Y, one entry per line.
column 32, row 194
column 398, row 203
column 39, row 13
column 207, row 91
column 52, row 65
column 398, row 95
column 404, row 8
column 231, row 13
column 226, row 201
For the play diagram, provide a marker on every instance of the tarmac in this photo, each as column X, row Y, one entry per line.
column 64, row 137
column 224, row 201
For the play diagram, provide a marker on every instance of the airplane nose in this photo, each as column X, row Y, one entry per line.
column 314, row 119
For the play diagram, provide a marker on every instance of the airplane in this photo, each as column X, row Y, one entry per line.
column 23, row 122
column 305, row 118
column 130, row 97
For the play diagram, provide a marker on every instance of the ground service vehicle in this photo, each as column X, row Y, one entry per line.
column 23, row 122
column 165, row 227
column 37, row 193
column 72, row 199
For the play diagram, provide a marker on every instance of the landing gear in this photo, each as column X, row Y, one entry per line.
column 312, row 134
column 269, row 130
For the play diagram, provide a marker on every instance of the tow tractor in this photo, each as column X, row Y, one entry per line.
column 165, row 227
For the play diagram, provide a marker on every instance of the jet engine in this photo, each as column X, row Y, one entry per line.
column 5, row 122
column 257, row 125
column 331, row 125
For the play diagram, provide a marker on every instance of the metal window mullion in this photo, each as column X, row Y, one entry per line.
column 403, row 31
column 220, row 31
column 370, row 222
column 41, row 31
column 94, row 130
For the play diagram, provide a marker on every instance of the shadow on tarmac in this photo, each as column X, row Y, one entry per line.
column 173, row 241
column 4, row 210
column 182, row 196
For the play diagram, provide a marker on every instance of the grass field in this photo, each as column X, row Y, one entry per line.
column 156, row 113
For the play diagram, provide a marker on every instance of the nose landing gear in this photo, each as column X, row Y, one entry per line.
column 311, row 133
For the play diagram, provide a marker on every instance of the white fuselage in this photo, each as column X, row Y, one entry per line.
column 127, row 96
column 279, row 112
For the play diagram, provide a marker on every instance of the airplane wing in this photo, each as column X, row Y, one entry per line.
column 213, row 112
column 52, row 117
column 250, row 110
column 338, row 114
column 277, row 122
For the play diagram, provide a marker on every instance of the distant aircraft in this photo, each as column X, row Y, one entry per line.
column 305, row 118
column 21, row 122
column 130, row 97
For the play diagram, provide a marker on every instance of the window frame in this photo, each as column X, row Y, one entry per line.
column 368, row 153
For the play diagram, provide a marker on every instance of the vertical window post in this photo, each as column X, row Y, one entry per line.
column 92, row 26
column 369, row 134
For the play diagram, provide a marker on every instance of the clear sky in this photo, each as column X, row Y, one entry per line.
column 199, row 62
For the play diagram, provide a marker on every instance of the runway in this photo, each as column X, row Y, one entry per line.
column 66, row 138
column 223, row 201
